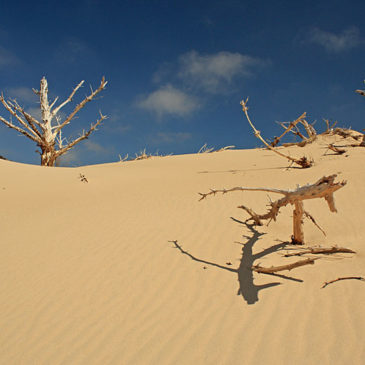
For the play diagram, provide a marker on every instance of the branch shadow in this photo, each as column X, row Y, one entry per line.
column 245, row 276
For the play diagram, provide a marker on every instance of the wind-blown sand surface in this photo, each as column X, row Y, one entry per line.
column 89, row 273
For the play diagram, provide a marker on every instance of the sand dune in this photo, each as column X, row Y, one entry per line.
column 130, row 268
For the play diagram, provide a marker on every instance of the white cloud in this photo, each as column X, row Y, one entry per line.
column 170, row 101
column 215, row 71
column 171, row 137
column 7, row 57
column 95, row 147
column 35, row 112
column 23, row 94
column 348, row 39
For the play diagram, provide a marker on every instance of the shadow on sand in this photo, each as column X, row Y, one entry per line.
column 247, row 288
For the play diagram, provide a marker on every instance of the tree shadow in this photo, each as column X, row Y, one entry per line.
column 245, row 274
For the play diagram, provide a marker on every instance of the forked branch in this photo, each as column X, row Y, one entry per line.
column 323, row 188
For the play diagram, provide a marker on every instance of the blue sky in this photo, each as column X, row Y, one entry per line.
column 177, row 70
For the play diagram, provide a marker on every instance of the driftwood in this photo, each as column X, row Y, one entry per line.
column 343, row 278
column 303, row 162
column 323, row 188
column 273, row 269
column 321, row 250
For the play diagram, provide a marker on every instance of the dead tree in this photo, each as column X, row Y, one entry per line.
column 323, row 188
column 47, row 133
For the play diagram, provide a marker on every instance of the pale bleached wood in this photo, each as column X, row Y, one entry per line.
column 46, row 133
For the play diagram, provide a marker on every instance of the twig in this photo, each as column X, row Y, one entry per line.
column 314, row 222
column 83, row 178
column 320, row 250
column 343, row 278
column 272, row 269
column 287, row 129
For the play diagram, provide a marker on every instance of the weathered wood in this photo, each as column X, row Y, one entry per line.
column 303, row 162
column 320, row 250
column 273, row 269
column 298, row 236
column 323, row 188
column 288, row 129
column 47, row 135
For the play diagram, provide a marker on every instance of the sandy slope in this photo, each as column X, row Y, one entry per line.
column 89, row 275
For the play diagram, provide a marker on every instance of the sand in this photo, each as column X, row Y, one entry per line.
column 90, row 273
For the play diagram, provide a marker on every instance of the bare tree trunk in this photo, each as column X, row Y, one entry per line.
column 48, row 156
column 298, row 237
column 48, row 136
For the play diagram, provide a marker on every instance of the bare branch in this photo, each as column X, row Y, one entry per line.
column 53, row 103
column 30, row 119
column 85, row 135
column 287, row 129
column 314, row 222
column 323, row 188
column 82, row 104
column 336, row 150
column 11, row 125
column 303, row 162
column 10, row 108
column 343, row 278
column 56, row 110
column 320, row 250
column 273, row 269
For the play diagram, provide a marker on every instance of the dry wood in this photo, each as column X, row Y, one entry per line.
column 287, row 129
column 298, row 236
column 342, row 278
column 323, row 188
column 302, row 162
column 320, row 250
column 45, row 133
column 329, row 127
column 273, row 269
column 314, row 222
column 338, row 151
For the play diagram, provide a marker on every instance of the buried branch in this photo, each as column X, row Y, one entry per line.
column 274, row 269
column 321, row 250
column 302, row 162
column 323, row 188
